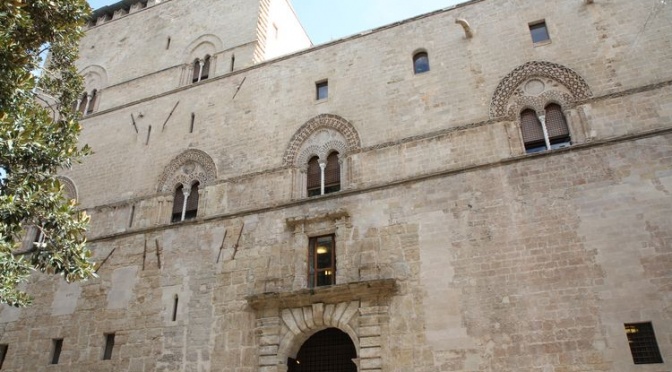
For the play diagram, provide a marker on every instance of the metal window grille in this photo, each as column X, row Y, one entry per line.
column 330, row 350
column 643, row 345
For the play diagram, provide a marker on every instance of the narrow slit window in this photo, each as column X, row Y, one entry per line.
column 539, row 32
column 233, row 62
column 643, row 344
column 3, row 353
column 168, row 44
column 175, row 308
column 109, row 346
column 56, row 352
column 130, row 220
column 191, row 126
column 322, row 90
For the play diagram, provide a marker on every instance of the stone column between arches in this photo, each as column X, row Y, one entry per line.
column 286, row 320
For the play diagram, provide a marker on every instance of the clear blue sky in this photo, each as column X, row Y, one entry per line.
column 326, row 20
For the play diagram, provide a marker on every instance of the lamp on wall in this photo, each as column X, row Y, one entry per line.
column 321, row 249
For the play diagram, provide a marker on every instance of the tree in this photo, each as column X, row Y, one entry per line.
column 38, row 135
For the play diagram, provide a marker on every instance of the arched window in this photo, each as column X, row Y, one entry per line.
column 185, row 206
column 82, row 103
column 92, row 101
column 196, row 71
column 325, row 180
column 420, row 62
column 533, row 133
column 332, row 174
column 191, row 208
column 556, row 125
column 314, row 175
column 205, row 72
column 546, row 133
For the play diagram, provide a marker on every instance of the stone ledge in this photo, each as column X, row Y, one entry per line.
column 331, row 294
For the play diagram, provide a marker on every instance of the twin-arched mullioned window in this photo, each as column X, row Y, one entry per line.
column 185, row 203
column 323, row 177
column 544, row 132
column 86, row 103
column 200, row 69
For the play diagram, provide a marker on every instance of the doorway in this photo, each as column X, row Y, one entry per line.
column 330, row 350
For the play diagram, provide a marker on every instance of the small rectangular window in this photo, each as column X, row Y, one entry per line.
column 109, row 346
column 322, row 89
column 56, row 351
column 322, row 261
column 3, row 353
column 539, row 32
column 643, row 345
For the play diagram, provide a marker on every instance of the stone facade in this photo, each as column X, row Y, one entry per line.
column 455, row 250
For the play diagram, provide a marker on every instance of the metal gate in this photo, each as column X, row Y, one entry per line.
column 330, row 350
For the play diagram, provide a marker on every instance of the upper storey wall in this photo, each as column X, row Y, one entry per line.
column 372, row 85
column 135, row 45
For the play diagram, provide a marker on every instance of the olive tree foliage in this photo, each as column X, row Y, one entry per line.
column 38, row 135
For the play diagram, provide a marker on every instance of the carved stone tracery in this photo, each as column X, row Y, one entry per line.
column 188, row 167
column 333, row 133
column 525, row 81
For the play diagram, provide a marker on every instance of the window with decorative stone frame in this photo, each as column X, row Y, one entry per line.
column 185, row 203
column 540, row 104
column 547, row 131
column 183, row 183
column 318, row 153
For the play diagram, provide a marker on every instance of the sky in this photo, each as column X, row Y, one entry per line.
column 326, row 20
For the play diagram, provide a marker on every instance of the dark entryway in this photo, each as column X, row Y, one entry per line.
column 330, row 350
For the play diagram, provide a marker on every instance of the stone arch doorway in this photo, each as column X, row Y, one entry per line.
column 329, row 350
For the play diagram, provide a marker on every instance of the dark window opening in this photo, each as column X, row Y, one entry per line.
column 322, row 90
column 420, row 62
column 330, row 350
column 56, row 352
column 205, row 72
column 92, row 102
column 233, row 61
column 185, row 210
column 82, row 103
column 643, row 344
column 175, row 308
column 178, row 204
column 109, row 346
column 3, row 353
column 196, row 73
column 168, row 44
column 321, row 261
column 191, row 208
column 539, row 32
column 191, row 127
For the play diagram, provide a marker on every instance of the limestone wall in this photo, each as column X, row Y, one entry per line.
column 455, row 250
